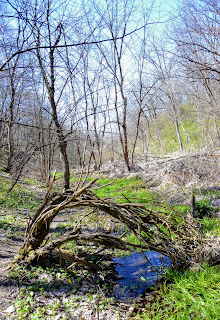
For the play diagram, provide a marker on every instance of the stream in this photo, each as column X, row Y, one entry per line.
column 137, row 274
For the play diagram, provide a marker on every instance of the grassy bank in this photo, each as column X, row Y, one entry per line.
column 190, row 295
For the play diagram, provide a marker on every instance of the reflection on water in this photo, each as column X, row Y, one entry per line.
column 138, row 273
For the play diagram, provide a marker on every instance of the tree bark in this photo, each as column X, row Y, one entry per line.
column 50, row 84
column 10, row 134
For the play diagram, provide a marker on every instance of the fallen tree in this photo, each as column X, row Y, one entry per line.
column 159, row 228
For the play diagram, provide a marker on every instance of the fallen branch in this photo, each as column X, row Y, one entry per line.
column 159, row 228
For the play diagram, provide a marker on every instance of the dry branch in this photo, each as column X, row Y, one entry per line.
column 157, row 227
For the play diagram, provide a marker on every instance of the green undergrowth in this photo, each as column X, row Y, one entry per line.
column 19, row 197
column 126, row 190
column 164, row 135
column 210, row 225
column 50, row 281
column 122, row 189
column 32, row 181
column 13, row 226
column 15, row 209
column 189, row 295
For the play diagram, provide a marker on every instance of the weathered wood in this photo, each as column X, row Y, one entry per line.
column 159, row 228
column 193, row 205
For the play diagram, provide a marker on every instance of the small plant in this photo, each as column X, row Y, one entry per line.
column 203, row 208
column 211, row 225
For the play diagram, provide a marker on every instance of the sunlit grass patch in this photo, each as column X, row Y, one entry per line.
column 19, row 197
column 191, row 295
column 124, row 189
column 181, row 208
column 31, row 181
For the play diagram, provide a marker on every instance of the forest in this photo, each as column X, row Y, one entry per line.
column 109, row 159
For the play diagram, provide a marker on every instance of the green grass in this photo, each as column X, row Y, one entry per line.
column 168, row 141
column 181, row 208
column 15, row 208
column 210, row 225
column 32, row 181
column 124, row 189
column 191, row 295
column 19, row 197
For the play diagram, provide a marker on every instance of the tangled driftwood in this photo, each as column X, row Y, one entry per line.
column 158, row 228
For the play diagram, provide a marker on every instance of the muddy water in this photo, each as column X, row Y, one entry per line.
column 136, row 273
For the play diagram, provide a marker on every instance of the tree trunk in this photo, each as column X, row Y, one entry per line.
column 178, row 134
column 50, row 84
column 10, row 128
column 62, row 145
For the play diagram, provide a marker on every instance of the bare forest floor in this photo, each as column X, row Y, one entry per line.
column 10, row 243
column 54, row 299
column 83, row 293
column 8, row 287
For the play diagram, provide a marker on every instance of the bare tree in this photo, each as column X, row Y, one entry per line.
column 116, row 19
column 13, row 35
column 54, row 37
column 197, row 40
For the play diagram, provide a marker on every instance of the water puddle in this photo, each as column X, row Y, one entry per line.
column 136, row 273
